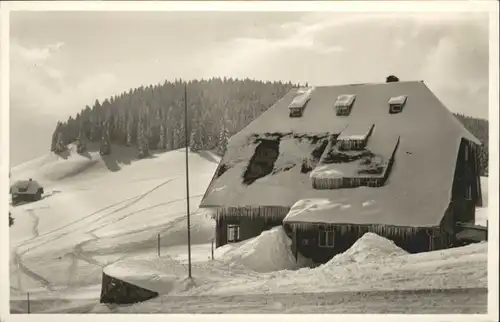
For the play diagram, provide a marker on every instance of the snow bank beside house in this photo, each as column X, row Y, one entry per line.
column 373, row 263
column 270, row 251
column 369, row 248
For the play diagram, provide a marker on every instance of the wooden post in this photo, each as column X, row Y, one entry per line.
column 158, row 245
column 187, row 180
column 28, row 295
column 295, row 243
column 212, row 249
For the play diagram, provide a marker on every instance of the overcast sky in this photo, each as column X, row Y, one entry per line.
column 61, row 61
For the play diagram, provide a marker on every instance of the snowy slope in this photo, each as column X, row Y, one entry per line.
column 98, row 210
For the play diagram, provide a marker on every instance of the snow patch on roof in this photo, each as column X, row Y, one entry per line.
column 327, row 171
column 397, row 100
column 353, row 137
column 311, row 205
column 345, row 100
column 282, row 187
column 368, row 203
column 162, row 275
column 300, row 100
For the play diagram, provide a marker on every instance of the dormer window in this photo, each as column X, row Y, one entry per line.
column 296, row 112
column 343, row 104
column 396, row 104
column 296, row 107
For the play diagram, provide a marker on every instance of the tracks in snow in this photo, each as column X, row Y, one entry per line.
column 134, row 199
column 77, row 251
column 36, row 221
column 21, row 267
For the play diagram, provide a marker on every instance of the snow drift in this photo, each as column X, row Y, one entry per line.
column 369, row 248
column 270, row 251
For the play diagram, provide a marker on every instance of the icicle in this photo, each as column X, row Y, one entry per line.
column 273, row 212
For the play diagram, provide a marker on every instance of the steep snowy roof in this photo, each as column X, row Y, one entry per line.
column 418, row 188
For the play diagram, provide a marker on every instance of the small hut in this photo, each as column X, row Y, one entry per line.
column 26, row 191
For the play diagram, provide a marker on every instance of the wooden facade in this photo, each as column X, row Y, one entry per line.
column 247, row 227
column 245, row 222
column 308, row 239
column 466, row 190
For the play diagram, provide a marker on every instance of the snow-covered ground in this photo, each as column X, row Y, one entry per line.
column 96, row 211
column 106, row 215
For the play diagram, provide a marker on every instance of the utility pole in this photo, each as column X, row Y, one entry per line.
column 187, row 178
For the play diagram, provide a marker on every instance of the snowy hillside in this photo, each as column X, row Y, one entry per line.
column 92, row 215
column 104, row 214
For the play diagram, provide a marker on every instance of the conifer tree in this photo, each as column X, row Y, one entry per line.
column 128, row 131
column 55, row 136
column 105, row 148
column 162, row 142
column 223, row 140
column 82, row 143
column 142, row 140
column 60, row 143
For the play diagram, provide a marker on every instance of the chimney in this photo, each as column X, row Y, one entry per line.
column 391, row 79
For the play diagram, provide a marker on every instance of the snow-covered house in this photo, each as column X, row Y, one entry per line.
column 386, row 158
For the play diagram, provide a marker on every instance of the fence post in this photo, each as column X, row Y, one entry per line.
column 212, row 249
column 158, row 245
column 29, row 310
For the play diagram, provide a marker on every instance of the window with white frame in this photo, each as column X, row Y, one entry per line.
column 233, row 233
column 326, row 237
